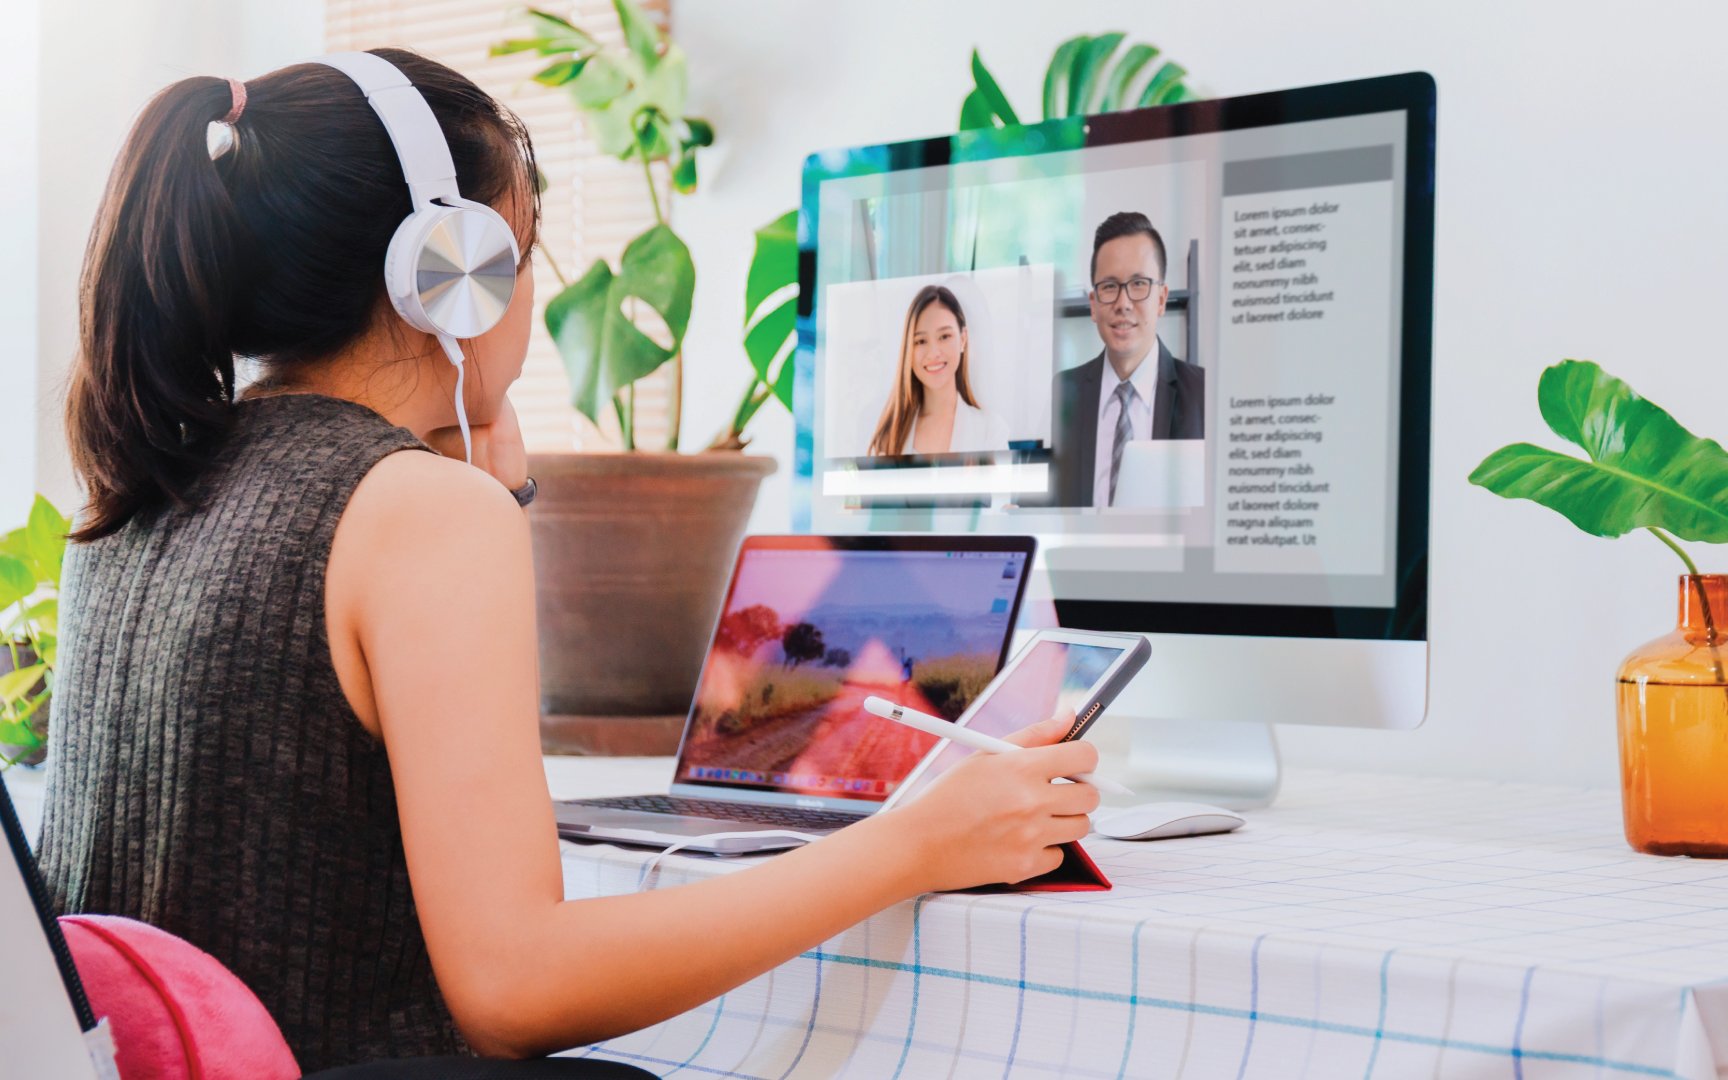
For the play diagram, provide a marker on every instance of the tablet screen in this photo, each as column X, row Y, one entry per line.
column 1051, row 677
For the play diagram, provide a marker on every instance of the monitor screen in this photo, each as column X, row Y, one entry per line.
column 1186, row 347
column 807, row 633
column 1053, row 677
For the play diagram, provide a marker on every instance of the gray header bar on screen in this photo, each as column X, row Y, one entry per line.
column 1358, row 165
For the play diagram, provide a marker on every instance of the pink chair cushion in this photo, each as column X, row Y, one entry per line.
column 176, row 1012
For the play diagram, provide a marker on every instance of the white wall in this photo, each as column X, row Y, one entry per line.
column 97, row 65
column 19, row 45
column 1581, row 213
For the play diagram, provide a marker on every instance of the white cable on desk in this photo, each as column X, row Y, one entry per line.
column 755, row 834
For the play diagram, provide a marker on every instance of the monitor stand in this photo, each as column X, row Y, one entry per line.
column 1233, row 764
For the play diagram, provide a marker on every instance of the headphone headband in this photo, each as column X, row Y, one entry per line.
column 413, row 130
column 451, row 266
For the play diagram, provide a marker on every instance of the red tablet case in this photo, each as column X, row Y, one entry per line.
column 1076, row 873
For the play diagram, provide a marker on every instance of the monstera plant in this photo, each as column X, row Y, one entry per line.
column 632, row 99
column 1084, row 77
column 632, row 550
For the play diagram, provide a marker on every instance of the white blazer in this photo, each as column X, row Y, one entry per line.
column 975, row 431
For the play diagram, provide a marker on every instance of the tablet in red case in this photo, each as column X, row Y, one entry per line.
column 1076, row 873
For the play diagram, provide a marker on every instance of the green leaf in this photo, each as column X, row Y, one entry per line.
column 600, row 82
column 775, row 263
column 41, row 617
column 773, row 268
column 684, row 173
column 1645, row 469
column 16, row 544
column 994, row 99
column 1124, row 74
column 44, row 615
column 616, row 102
column 514, row 45
column 558, row 34
column 1057, row 75
column 603, row 351
column 19, row 734
column 16, row 685
column 560, row 73
column 700, row 132
column 46, row 535
column 769, row 341
column 783, row 381
column 16, row 581
column 975, row 113
column 640, row 33
column 1088, row 70
column 47, row 645
column 1164, row 86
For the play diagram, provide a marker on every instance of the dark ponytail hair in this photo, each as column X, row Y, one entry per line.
column 274, row 251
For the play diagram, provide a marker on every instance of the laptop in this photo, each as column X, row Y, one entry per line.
column 777, row 737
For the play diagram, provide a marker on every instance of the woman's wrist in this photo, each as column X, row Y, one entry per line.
column 897, row 851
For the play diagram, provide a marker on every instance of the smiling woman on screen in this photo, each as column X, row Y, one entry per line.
column 931, row 409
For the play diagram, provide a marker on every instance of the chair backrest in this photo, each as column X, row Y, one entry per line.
column 43, row 1011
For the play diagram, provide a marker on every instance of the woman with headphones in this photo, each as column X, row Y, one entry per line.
column 296, row 713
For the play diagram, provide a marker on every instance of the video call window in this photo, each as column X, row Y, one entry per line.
column 1176, row 360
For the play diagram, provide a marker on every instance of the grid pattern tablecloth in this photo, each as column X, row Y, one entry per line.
column 1364, row 927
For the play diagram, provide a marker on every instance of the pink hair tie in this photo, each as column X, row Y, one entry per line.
column 238, row 90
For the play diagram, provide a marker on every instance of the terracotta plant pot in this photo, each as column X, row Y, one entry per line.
column 631, row 557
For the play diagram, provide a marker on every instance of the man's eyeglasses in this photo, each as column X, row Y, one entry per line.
column 1139, row 288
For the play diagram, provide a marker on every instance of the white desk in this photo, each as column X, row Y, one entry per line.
column 1363, row 927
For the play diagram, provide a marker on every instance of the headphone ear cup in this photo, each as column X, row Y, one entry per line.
column 400, row 260
column 452, row 269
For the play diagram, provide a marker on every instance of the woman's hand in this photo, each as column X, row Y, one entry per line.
column 498, row 446
column 997, row 817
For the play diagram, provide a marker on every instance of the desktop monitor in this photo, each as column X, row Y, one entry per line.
column 1186, row 347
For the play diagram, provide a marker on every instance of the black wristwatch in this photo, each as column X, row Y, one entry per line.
column 525, row 494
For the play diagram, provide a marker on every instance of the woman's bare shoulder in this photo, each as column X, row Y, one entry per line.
column 414, row 483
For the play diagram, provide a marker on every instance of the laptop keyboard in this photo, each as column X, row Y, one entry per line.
column 754, row 813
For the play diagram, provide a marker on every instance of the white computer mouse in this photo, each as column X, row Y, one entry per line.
column 1164, row 820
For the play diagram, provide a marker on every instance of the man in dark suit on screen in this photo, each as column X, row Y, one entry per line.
column 1134, row 389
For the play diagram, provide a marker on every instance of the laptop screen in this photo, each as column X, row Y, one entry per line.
column 807, row 633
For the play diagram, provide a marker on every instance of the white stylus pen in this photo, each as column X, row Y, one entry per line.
column 965, row 736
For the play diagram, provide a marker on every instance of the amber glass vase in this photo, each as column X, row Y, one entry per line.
column 1674, row 729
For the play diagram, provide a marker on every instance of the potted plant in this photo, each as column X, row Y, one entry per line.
column 1643, row 470
column 30, row 559
column 632, row 549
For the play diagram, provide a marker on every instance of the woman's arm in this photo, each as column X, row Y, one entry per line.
column 431, row 580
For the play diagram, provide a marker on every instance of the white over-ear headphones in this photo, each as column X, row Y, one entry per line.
column 451, row 267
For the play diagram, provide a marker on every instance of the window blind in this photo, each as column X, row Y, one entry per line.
column 593, row 206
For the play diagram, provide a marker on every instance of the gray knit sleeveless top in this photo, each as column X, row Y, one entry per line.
column 206, row 774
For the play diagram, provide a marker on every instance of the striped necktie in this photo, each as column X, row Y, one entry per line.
column 1125, row 395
